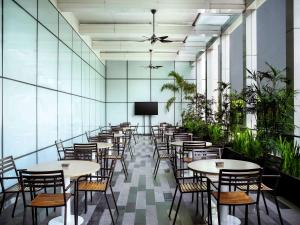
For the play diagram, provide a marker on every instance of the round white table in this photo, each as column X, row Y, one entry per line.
column 103, row 145
column 209, row 167
column 76, row 168
column 118, row 135
column 180, row 143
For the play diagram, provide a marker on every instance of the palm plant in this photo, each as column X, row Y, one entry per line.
column 180, row 86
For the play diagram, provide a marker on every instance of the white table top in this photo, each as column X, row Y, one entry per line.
column 209, row 165
column 180, row 143
column 76, row 167
column 101, row 145
column 118, row 135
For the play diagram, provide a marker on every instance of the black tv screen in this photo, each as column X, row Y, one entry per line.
column 146, row 108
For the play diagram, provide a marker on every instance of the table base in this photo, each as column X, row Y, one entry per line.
column 70, row 220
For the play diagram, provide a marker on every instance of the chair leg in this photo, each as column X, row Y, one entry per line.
column 15, row 204
column 157, row 168
column 219, row 216
column 124, row 168
column 35, row 216
column 173, row 202
column 112, row 193
column 202, row 204
column 174, row 221
column 246, row 215
column 85, row 201
column 65, row 215
column 258, row 215
column 32, row 216
column 265, row 202
column 91, row 195
column 197, row 203
column 2, row 202
column 278, row 210
column 111, row 215
column 209, row 213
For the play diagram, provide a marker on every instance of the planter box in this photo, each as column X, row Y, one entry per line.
column 289, row 186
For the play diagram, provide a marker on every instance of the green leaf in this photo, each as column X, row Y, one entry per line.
column 169, row 103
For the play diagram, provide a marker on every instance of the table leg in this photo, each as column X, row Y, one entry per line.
column 70, row 218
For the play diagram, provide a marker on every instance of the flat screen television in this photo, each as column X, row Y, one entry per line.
column 146, row 108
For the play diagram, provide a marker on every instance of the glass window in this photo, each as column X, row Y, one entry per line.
column 76, row 75
column 65, row 31
column 167, row 67
column 92, row 84
column 102, row 91
column 179, row 108
column 85, row 80
column 19, row 48
column 92, row 115
column 98, row 114
column 102, row 114
column 97, row 86
column 64, row 116
column 138, row 90
column 29, row 5
column 85, row 52
column 48, row 15
column 86, row 114
column 102, row 69
column 138, row 69
column 163, row 114
column 116, row 69
column 47, row 58
column 116, row 90
column 76, row 43
column 133, row 118
column 47, row 155
column 65, row 68
column 156, row 94
column 19, row 118
column 186, row 69
column 76, row 116
column 47, row 117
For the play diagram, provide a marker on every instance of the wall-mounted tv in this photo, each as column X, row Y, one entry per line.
column 146, row 108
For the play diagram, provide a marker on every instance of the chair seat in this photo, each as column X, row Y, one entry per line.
column 113, row 156
column 254, row 187
column 49, row 200
column 233, row 198
column 193, row 187
column 16, row 188
column 187, row 159
column 165, row 155
column 92, row 186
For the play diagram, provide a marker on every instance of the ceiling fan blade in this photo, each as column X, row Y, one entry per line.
column 163, row 37
column 165, row 41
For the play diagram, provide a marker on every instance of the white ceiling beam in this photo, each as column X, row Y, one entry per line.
column 104, row 5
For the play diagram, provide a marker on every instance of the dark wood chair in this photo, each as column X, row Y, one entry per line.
column 182, row 137
column 163, row 153
column 9, row 173
column 191, row 185
column 231, row 180
column 85, row 151
column 127, row 138
column 97, row 183
column 135, row 133
column 61, row 149
column 55, row 196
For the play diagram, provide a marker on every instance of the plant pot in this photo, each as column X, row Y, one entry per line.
column 229, row 153
column 289, row 187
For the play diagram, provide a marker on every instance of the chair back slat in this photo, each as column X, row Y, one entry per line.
column 182, row 137
column 7, row 164
column 85, row 151
column 207, row 153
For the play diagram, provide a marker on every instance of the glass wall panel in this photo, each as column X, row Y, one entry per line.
column 47, row 155
column 116, row 113
column 116, row 90
column 85, row 52
column 76, row 116
column 76, row 75
column 85, row 80
column 186, row 69
column 65, row 68
column 47, row 117
column 19, row 118
column 139, row 90
column 163, row 115
column 19, row 50
column 92, row 84
column 65, row 31
column 47, row 58
column 116, row 69
column 48, row 15
column 64, row 116
column 102, row 70
column 76, row 43
column 138, row 69
column 102, row 90
column 29, row 5
column 98, row 86
column 163, row 72
column 98, row 114
column 156, row 94
column 92, row 115
column 86, row 114
column 135, row 120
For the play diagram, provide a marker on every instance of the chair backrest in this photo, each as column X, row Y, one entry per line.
column 53, row 181
column 116, row 129
column 125, row 124
column 60, row 148
column 106, row 137
column 93, row 139
column 85, row 151
column 7, row 167
column 182, row 137
column 207, row 153
column 231, row 179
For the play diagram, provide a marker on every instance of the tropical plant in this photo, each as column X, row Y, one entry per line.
column 181, row 86
column 197, row 127
column 245, row 142
column 223, row 113
column 271, row 100
column 290, row 154
column 216, row 134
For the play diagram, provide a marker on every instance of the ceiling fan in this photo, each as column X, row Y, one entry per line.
column 154, row 38
column 151, row 66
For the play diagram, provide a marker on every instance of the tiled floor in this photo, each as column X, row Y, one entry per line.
column 145, row 201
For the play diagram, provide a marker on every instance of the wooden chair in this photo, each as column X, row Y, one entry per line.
column 85, row 151
column 191, row 185
column 135, row 133
column 9, row 173
column 106, row 137
column 231, row 180
column 97, row 183
column 53, row 182
column 182, row 137
column 161, row 148
column 128, row 137
column 61, row 149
